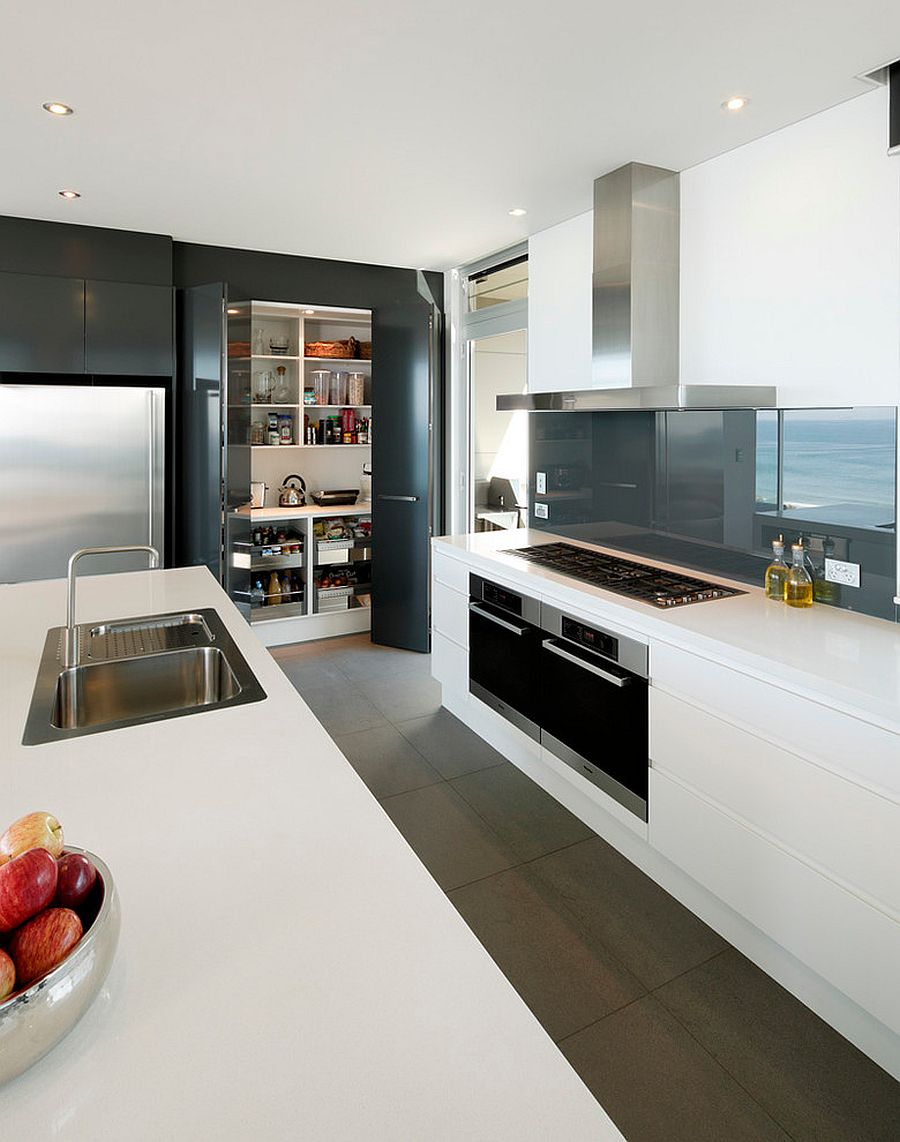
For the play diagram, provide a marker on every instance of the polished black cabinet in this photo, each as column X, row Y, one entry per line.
column 127, row 329
column 41, row 324
column 68, row 325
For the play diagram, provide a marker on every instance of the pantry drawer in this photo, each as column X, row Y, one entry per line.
column 801, row 725
column 852, row 945
column 450, row 614
column 825, row 819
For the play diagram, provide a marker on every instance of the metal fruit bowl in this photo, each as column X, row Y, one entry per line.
column 34, row 1020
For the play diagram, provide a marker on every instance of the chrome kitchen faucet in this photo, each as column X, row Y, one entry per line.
column 70, row 644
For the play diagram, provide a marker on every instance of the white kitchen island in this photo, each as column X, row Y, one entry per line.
column 774, row 771
column 287, row 968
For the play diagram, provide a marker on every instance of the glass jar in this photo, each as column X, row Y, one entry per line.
column 337, row 393
column 356, row 389
column 321, row 384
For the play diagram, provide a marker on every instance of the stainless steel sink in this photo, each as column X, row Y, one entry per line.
column 137, row 670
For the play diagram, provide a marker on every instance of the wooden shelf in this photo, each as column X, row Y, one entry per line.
column 284, row 447
column 340, row 360
column 334, row 406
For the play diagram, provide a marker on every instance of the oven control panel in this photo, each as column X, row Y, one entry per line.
column 596, row 640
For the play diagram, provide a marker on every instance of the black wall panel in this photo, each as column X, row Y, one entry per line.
column 29, row 246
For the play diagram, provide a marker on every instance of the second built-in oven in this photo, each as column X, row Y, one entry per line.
column 593, row 707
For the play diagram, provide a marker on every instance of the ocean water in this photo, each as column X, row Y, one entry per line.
column 829, row 458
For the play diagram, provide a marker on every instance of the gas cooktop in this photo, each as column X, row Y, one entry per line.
column 623, row 576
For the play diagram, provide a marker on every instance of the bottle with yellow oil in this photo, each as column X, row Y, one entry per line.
column 777, row 571
column 798, row 587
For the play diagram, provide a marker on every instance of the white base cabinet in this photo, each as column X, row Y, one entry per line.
column 767, row 816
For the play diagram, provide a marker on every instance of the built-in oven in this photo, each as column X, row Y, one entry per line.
column 593, row 705
column 504, row 650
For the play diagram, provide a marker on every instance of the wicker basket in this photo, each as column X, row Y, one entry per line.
column 344, row 350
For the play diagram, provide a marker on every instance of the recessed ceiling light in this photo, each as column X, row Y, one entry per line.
column 232, row 311
column 69, row 194
column 517, row 212
column 309, row 312
column 735, row 103
column 58, row 108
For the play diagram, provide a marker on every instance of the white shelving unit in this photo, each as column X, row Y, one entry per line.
column 253, row 326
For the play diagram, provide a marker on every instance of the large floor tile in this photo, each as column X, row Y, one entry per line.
column 530, row 821
column 342, row 710
column 815, row 1083
column 449, row 837
column 659, row 1085
column 403, row 694
column 313, row 672
column 361, row 659
column 651, row 933
column 566, row 979
column 452, row 748
column 386, row 761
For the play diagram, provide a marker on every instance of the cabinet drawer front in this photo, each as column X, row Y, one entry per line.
column 852, row 945
column 450, row 613
column 808, row 728
column 451, row 572
column 449, row 664
column 825, row 819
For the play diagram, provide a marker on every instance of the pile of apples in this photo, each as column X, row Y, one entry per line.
column 42, row 890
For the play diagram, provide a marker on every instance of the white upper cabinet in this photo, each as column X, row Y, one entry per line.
column 790, row 261
column 560, row 267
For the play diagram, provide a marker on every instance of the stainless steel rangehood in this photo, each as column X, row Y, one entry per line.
column 635, row 307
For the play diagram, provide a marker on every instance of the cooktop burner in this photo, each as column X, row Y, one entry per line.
column 623, row 576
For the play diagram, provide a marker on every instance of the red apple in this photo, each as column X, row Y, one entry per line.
column 45, row 941
column 33, row 831
column 27, row 884
column 76, row 878
column 7, row 976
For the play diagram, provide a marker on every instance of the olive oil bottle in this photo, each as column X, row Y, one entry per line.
column 776, row 572
column 798, row 587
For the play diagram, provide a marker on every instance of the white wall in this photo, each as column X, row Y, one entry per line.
column 790, row 261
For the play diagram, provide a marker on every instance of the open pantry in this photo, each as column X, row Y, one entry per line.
column 307, row 372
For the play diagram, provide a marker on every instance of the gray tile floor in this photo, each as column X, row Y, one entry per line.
column 678, row 1035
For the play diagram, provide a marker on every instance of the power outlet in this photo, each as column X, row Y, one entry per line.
column 540, row 483
column 837, row 571
column 542, row 511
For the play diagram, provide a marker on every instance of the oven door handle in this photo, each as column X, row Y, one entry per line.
column 511, row 627
column 555, row 648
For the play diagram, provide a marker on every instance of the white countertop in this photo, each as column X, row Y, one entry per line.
column 845, row 660
column 362, row 507
column 287, row 968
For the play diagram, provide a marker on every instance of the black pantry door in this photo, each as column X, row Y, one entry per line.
column 405, row 359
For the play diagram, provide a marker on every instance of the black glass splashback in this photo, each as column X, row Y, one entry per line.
column 710, row 490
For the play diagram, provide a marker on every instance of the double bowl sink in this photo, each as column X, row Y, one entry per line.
column 139, row 670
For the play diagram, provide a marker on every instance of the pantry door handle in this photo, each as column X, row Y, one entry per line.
column 401, row 499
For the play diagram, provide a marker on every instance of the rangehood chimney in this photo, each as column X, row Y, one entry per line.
column 635, row 307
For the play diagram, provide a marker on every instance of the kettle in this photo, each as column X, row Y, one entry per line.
column 292, row 493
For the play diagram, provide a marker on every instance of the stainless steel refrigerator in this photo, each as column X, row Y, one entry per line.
column 80, row 466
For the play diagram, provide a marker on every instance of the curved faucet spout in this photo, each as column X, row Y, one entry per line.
column 70, row 645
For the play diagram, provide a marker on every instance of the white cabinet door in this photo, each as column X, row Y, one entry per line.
column 560, row 271
column 849, row 943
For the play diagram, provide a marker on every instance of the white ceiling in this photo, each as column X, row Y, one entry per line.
column 398, row 132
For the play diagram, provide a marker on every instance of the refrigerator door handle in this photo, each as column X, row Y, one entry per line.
column 151, row 453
